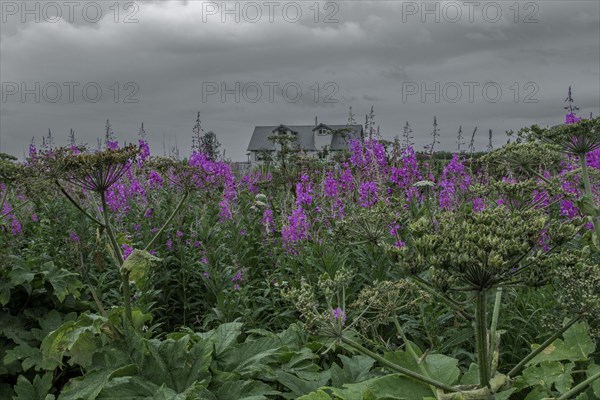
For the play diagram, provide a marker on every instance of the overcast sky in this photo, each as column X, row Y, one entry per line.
column 495, row 65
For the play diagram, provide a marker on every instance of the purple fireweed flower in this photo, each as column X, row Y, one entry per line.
column 112, row 144
column 127, row 250
column 454, row 180
column 170, row 244
column 238, row 277
column 571, row 118
column 346, row 179
column 368, row 194
column 149, row 213
column 304, row 191
column 399, row 244
column 34, row 217
column 74, row 237
column 330, row 186
column 155, row 180
column 478, row 205
column 225, row 213
column 179, row 234
column 297, row 228
column 144, row 151
column 339, row 315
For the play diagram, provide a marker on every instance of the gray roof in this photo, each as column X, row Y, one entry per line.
column 305, row 134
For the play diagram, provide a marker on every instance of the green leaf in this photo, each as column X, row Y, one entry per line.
column 301, row 386
column 440, row 367
column 318, row 395
column 89, row 386
column 177, row 363
column 74, row 338
column 138, row 264
column 225, row 336
column 245, row 390
column 550, row 373
column 5, row 288
column 29, row 357
column 592, row 370
column 63, row 282
column 38, row 390
column 354, row 370
column 577, row 346
column 387, row 387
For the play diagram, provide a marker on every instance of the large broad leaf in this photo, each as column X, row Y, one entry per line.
column 138, row 265
column 30, row 357
column 577, row 346
column 355, row 369
column 318, row 395
column 63, row 282
column 547, row 374
column 439, row 367
column 89, row 386
column 593, row 369
column 38, row 390
column 245, row 390
column 224, row 337
column 178, row 364
column 388, row 387
column 75, row 338
column 300, row 386
column 251, row 358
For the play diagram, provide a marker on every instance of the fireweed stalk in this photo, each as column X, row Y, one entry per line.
column 98, row 173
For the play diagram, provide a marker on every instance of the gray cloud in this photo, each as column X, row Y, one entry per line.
column 370, row 56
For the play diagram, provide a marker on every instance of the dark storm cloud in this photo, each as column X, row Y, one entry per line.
column 375, row 54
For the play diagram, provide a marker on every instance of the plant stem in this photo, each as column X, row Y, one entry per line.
column 167, row 222
column 481, row 335
column 580, row 387
column 398, row 368
column 588, row 192
column 119, row 256
column 413, row 354
column 4, row 197
column 494, row 326
column 542, row 347
column 76, row 204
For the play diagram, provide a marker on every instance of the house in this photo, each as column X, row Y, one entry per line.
column 311, row 139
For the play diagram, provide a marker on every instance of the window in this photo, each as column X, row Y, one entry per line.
column 323, row 132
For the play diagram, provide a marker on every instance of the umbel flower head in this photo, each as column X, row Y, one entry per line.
column 489, row 248
column 577, row 138
column 95, row 171
column 9, row 170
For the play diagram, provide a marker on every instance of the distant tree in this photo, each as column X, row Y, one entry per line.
column 197, row 132
column 209, row 145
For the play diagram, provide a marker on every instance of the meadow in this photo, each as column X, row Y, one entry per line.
column 375, row 273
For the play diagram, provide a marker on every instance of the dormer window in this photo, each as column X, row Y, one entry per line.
column 323, row 132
